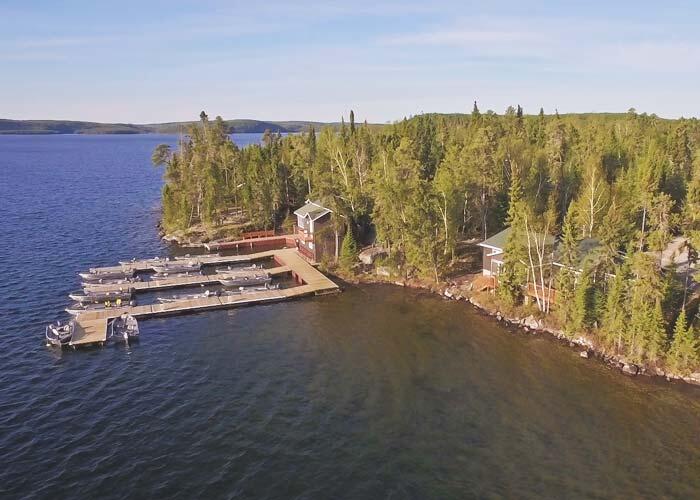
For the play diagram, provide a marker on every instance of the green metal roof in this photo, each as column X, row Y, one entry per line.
column 498, row 240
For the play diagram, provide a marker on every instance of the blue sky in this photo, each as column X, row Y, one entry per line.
column 147, row 61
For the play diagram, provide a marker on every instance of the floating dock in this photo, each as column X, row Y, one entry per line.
column 91, row 326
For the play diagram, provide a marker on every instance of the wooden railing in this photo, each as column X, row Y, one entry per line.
column 543, row 293
column 258, row 234
column 306, row 252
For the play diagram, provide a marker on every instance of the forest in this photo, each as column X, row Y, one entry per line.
column 624, row 185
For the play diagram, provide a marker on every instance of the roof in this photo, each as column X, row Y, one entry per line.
column 313, row 210
column 497, row 241
column 587, row 250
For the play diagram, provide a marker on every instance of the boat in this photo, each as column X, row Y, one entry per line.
column 174, row 275
column 177, row 267
column 79, row 308
column 124, row 327
column 58, row 334
column 153, row 261
column 245, row 278
column 231, row 269
column 189, row 296
column 100, row 276
column 96, row 296
column 112, row 281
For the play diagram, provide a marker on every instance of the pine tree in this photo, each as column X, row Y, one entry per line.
column 566, row 280
column 352, row 122
column 348, row 250
column 582, row 314
column 514, row 271
column 683, row 354
column 615, row 312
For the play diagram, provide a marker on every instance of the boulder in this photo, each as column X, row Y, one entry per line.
column 531, row 322
column 369, row 255
column 583, row 354
column 630, row 369
column 383, row 271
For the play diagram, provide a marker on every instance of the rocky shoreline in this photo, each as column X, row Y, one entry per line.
column 530, row 325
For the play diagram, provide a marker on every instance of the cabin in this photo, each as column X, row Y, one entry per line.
column 492, row 252
column 314, row 233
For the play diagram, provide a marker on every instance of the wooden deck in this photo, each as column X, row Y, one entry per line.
column 251, row 243
column 92, row 326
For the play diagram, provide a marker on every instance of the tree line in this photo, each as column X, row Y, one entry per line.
column 628, row 182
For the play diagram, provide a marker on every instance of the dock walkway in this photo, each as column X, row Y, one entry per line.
column 91, row 327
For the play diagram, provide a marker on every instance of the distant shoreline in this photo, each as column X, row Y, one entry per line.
column 67, row 127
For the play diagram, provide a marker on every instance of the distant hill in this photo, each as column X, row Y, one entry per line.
column 77, row 127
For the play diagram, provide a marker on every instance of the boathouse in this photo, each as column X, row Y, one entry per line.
column 314, row 233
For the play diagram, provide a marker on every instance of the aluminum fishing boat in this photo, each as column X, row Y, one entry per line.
column 78, row 308
column 58, row 334
column 244, row 278
column 92, row 297
column 158, row 276
column 232, row 269
column 112, row 281
column 189, row 296
column 178, row 267
column 123, row 328
column 92, row 277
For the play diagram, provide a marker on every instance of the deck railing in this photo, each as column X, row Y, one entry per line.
column 258, row 234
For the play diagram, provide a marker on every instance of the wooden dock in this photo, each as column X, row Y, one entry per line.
column 167, row 283
column 144, row 265
column 91, row 326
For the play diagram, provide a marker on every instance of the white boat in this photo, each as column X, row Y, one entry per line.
column 232, row 269
column 244, row 278
column 112, row 281
column 177, row 267
column 78, row 308
column 58, row 334
column 93, row 297
column 164, row 275
column 123, row 328
column 92, row 276
column 189, row 296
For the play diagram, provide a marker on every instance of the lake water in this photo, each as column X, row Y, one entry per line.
column 377, row 392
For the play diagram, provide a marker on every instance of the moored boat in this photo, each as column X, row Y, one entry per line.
column 112, row 281
column 177, row 267
column 79, row 308
column 232, row 269
column 124, row 327
column 164, row 275
column 106, row 275
column 89, row 297
column 189, row 296
column 249, row 278
column 58, row 334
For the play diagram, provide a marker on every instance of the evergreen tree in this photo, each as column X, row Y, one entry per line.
column 566, row 280
column 348, row 250
column 683, row 353
column 352, row 122
column 582, row 314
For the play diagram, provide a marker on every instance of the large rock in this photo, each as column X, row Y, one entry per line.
column 369, row 255
column 383, row 271
column 531, row 322
column 630, row 369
